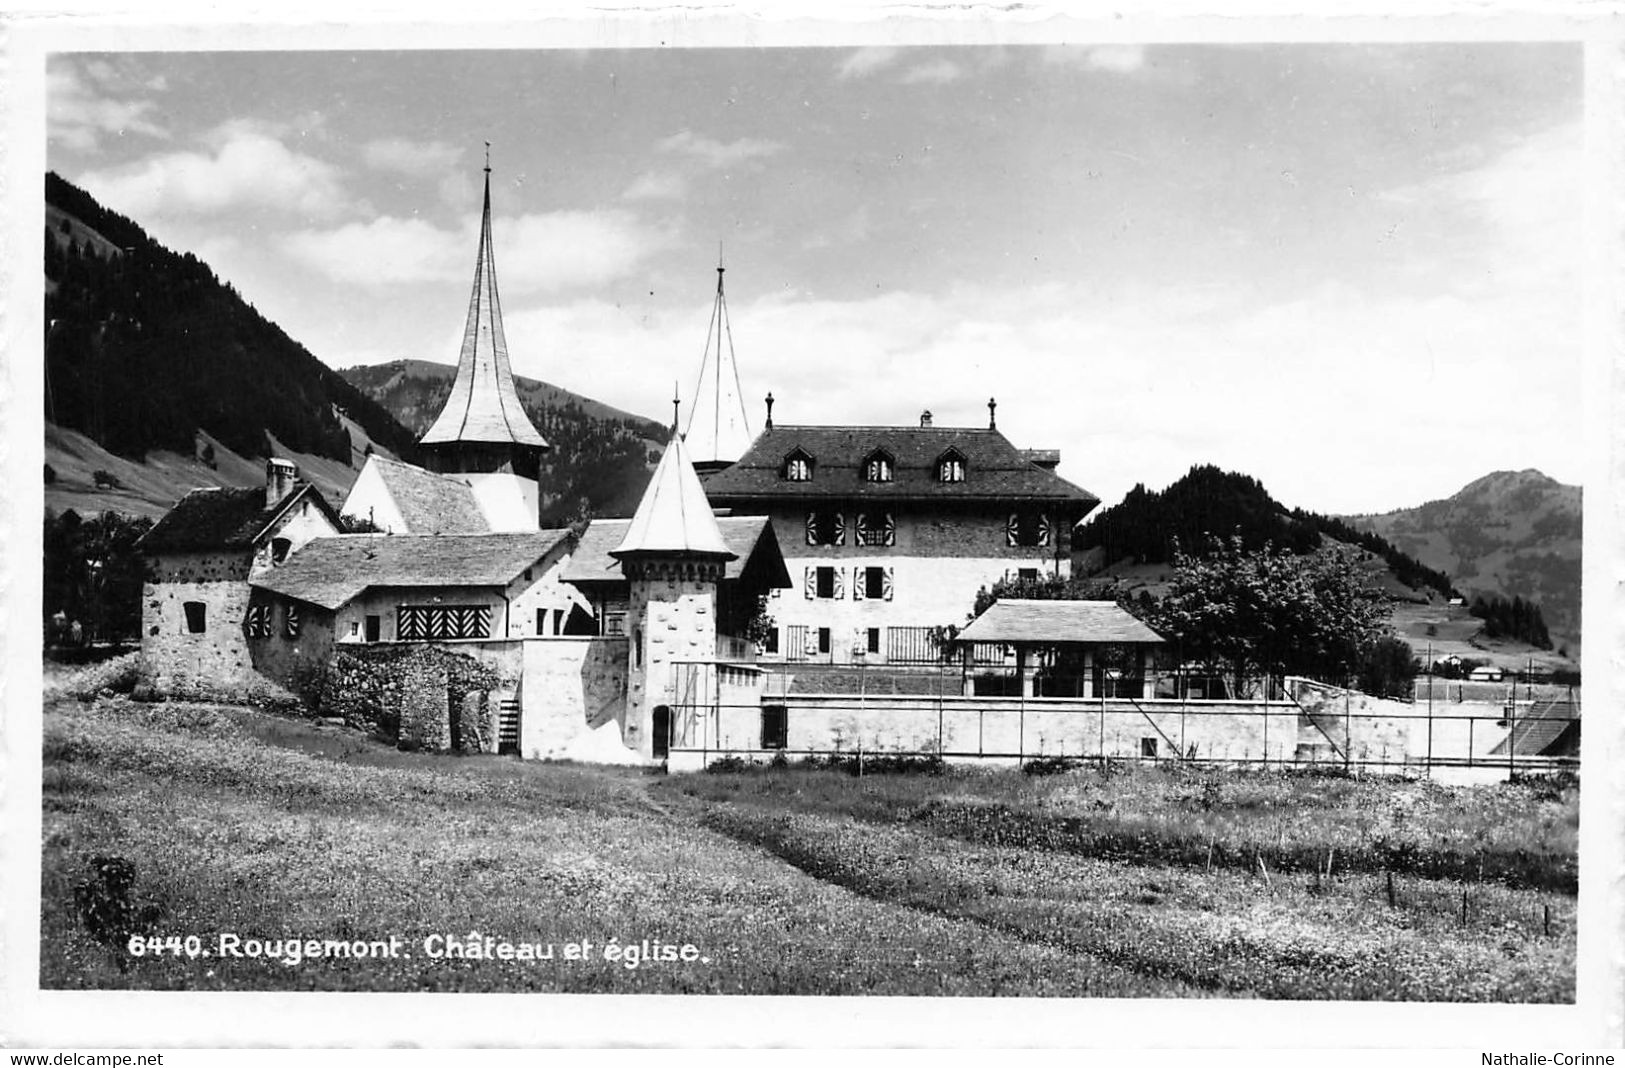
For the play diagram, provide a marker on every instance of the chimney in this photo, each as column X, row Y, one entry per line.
column 925, row 417
column 770, row 411
column 992, row 421
column 280, row 479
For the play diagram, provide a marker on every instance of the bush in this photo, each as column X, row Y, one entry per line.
column 1050, row 765
column 879, row 763
column 118, row 675
column 728, row 765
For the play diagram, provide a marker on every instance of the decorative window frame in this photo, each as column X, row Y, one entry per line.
column 875, row 529
column 950, row 467
column 878, row 466
column 257, row 621
column 799, row 466
column 1013, row 530
column 839, row 535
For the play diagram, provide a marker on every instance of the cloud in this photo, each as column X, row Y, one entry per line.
column 718, row 155
column 937, row 72
column 656, row 185
column 246, row 168
column 865, row 61
column 415, row 158
column 1118, row 59
column 534, row 253
column 84, row 105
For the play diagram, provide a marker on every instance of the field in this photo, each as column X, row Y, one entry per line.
column 1117, row 882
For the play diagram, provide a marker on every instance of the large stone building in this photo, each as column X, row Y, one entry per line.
column 889, row 531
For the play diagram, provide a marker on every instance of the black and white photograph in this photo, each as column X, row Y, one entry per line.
column 995, row 513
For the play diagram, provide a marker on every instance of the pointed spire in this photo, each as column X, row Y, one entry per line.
column 484, row 405
column 718, row 426
column 674, row 517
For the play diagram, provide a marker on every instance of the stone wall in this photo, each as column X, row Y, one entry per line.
column 175, row 660
column 1010, row 729
column 573, row 701
column 386, row 690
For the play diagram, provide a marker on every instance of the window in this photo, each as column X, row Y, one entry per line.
column 877, row 466
column 615, row 624
column 257, row 623
column 196, row 616
column 825, row 580
column 541, row 622
column 1027, row 574
column 355, row 628
column 876, row 528
column 798, row 467
column 1027, row 529
column 770, row 643
column 279, row 549
column 420, row 623
column 874, row 584
column 775, row 726
column 823, row 639
column 951, row 467
column 1148, row 747
column 825, row 528
column 874, row 639
column 558, row 621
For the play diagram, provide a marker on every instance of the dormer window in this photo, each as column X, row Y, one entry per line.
column 798, row 466
column 951, row 467
column 877, row 466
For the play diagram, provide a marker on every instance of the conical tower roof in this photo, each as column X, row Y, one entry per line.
column 674, row 515
column 484, row 406
column 718, row 429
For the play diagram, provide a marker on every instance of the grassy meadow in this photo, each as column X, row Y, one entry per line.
column 1122, row 882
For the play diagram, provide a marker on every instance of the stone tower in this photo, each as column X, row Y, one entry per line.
column 482, row 435
column 673, row 556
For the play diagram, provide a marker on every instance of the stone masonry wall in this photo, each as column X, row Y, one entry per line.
column 175, row 660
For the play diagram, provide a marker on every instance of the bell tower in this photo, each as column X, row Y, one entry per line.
column 673, row 556
column 483, row 435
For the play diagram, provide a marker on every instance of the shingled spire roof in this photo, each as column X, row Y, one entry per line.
column 674, row 516
column 483, row 405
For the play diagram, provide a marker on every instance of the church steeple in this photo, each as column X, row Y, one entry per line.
column 718, row 430
column 483, row 408
column 483, row 435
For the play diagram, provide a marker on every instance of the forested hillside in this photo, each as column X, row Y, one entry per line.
column 145, row 347
column 1149, row 527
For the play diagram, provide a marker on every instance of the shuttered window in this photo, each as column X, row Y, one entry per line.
column 428, row 623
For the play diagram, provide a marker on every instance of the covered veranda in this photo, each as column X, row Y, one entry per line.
column 1066, row 648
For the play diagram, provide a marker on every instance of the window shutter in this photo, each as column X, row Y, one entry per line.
column 258, row 621
column 840, row 583
column 812, row 528
column 1043, row 530
column 840, row 531
column 857, row 583
column 811, row 585
column 1012, row 530
column 888, row 535
column 886, row 584
column 291, row 621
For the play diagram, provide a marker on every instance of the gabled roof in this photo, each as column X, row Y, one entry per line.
column 431, row 503
column 225, row 518
column 1056, row 623
column 750, row 538
column 674, row 515
column 483, row 405
column 994, row 468
column 331, row 572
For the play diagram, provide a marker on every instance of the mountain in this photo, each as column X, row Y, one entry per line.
column 601, row 456
column 1150, row 527
column 145, row 349
column 1131, row 546
column 1512, row 533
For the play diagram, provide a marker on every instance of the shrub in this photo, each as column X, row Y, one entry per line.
column 1050, row 765
column 105, row 479
column 118, row 675
column 728, row 765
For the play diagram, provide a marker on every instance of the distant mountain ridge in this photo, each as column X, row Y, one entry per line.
column 1513, row 533
column 601, row 456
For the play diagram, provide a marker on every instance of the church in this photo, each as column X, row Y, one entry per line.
column 459, row 622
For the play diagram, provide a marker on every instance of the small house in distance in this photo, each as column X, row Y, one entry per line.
column 1068, row 648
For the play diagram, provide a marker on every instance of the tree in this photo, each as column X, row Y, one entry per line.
column 1389, row 669
column 1054, row 588
column 1268, row 612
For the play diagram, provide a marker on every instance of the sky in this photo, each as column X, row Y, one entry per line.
column 1350, row 271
